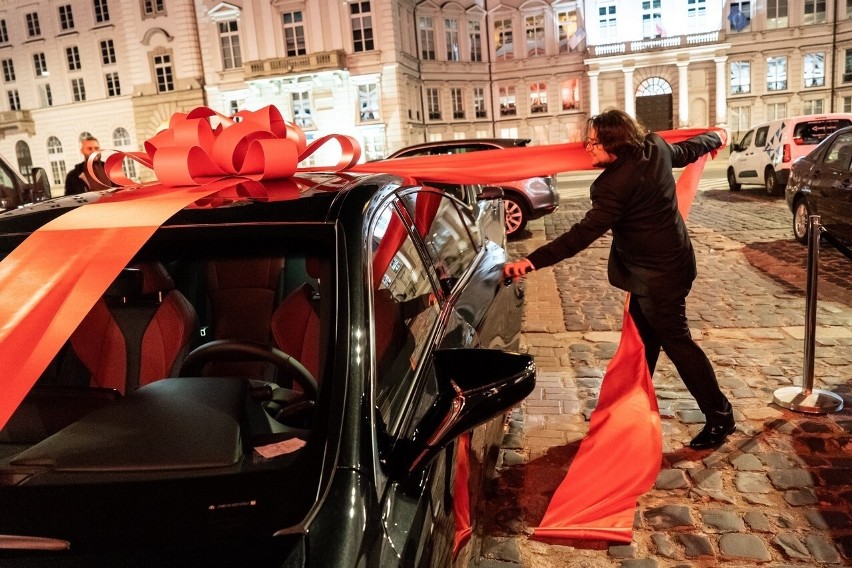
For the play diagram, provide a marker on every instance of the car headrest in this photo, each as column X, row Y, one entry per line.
column 139, row 280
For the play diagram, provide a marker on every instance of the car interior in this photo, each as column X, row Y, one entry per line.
column 201, row 308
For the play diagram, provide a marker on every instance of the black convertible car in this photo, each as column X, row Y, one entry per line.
column 274, row 382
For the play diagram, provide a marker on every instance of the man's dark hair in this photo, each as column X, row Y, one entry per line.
column 617, row 131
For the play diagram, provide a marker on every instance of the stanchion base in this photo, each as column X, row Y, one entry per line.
column 816, row 402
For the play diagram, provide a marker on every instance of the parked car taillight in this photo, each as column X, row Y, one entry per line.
column 787, row 156
column 798, row 140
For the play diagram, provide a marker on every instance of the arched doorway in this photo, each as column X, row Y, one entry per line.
column 654, row 108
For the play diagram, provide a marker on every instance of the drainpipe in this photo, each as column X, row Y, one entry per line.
column 833, row 53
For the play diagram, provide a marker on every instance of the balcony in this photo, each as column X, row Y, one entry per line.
column 299, row 65
column 16, row 121
column 658, row 44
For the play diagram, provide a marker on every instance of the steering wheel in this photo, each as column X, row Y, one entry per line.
column 232, row 350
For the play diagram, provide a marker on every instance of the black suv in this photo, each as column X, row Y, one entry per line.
column 14, row 191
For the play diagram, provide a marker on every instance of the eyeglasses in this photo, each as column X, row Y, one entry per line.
column 591, row 143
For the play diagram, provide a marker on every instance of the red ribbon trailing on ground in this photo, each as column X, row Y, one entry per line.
column 56, row 275
column 620, row 457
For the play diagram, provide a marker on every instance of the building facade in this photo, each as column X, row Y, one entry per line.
column 397, row 72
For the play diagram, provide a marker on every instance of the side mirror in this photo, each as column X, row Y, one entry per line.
column 490, row 192
column 39, row 189
column 474, row 385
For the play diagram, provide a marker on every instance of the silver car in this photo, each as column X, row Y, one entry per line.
column 523, row 199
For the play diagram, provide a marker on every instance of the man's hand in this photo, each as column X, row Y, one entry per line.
column 517, row 269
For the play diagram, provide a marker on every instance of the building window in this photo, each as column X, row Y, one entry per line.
column 4, row 33
column 163, row 73
column 813, row 107
column 814, row 12
column 774, row 111
column 40, row 64
column 8, row 70
column 847, row 104
column 66, row 18
column 433, row 104
column 696, row 15
column 302, row 114
column 607, row 22
column 776, row 14
column 107, row 52
column 479, row 102
column 368, row 102
column 229, row 41
column 57, row 163
column 14, row 99
column 362, row 26
column 33, row 27
column 566, row 22
column 570, row 94
column 652, row 19
column 776, row 73
column 847, row 66
column 538, row 98
column 457, row 97
column 739, row 16
column 101, row 11
column 427, row 37
column 534, row 31
column 72, row 56
column 740, row 77
column 475, row 37
column 739, row 118
column 113, row 87
column 46, row 95
column 25, row 158
column 503, row 40
column 78, row 90
column 373, row 144
column 814, row 70
column 153, row 7
column 507, row 101
column 451, row 36
column 294, row 33
column 121, row 141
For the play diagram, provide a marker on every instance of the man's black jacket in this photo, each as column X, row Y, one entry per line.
column 635, row 198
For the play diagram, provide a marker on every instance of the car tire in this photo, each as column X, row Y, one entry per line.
column 771, row 183
column 732, row 181
column 801, row 220
column 516, row 215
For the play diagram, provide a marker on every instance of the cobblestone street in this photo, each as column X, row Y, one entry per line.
column 779, row 492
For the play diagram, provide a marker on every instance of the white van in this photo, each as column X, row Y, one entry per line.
column 765, row 153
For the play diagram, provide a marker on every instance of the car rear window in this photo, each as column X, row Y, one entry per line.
column 815, row 131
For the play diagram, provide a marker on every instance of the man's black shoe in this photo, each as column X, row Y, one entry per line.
column 713, row 435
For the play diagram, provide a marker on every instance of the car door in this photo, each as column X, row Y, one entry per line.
column 740, row 159
column 831, row 186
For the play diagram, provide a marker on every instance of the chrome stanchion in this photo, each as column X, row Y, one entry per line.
column 806, row 398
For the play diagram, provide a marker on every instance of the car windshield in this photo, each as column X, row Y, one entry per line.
column 815, row 131
column 123, row 419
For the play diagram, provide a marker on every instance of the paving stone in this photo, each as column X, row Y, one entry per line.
column 822, row 549
column 752, row 482
column 640, row 563
column 665, row 547
column 735, row 546
column 830, row 520
column 668, row 516
column 792, row 546
column 801, row 497
column 757, row 521
column 671, row 479
column 724, row 521
column 707, row 480
column 791, row 478
column 747, row 462
column 504, row 549
column 623, row 551
column 695, row 545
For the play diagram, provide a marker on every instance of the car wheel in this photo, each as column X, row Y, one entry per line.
column 771, row 182
column 732, row 181
column 801, row 220
column 516, row 215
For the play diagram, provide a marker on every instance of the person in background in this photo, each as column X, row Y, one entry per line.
column 79, row 180
column 651, row 255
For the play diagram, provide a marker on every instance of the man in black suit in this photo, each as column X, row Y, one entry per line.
column 79, row 180
column 651, row 255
